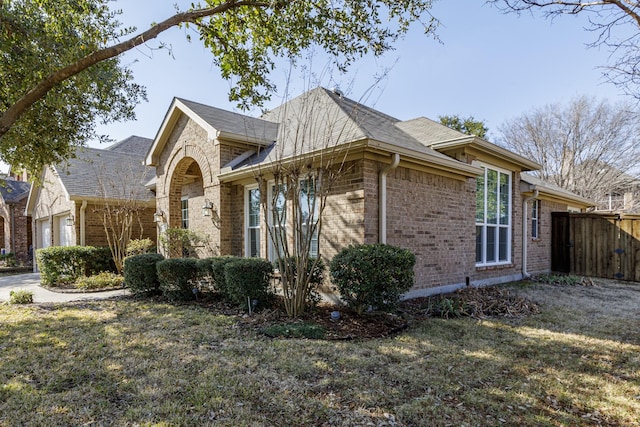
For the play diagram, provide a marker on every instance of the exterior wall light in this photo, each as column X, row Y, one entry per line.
column 207, row 209
column 157, row 216
column 70, row 221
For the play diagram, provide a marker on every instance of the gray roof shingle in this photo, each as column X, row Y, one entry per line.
column 134, row 144
column 233, row 123
column 13, row 191
column 110, row 174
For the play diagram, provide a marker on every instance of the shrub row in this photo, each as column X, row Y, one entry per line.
column 181, row 279
column 61, row 265
column 367, row 276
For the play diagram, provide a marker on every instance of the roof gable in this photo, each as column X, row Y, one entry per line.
column 218, row 123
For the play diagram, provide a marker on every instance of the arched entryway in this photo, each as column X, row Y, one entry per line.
column 186, row 198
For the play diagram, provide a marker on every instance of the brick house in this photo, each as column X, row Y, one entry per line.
column 68, row 208
column 15, row 226
column 463, row 205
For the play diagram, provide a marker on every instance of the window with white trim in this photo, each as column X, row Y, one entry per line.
column 309, row 214
column 277, row 221
column 184, row 212
column 252, row 222
column 493, row 217
column 535, row 219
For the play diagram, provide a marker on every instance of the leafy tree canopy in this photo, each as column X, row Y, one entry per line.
column 61, row 73
column 467, row 125
column 36, row 39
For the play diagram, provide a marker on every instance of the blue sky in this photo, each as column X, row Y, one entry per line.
column 488, row 65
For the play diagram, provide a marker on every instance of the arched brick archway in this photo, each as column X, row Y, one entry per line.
column 186, row 184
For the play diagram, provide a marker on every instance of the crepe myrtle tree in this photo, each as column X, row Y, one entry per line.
column 122, row 202
column 295, row 185
column 60, row 68
column 615, row 25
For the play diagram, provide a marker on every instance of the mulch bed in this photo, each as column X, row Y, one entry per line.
column 474, row 302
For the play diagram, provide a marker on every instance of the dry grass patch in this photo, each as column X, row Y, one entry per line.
column 128, row 362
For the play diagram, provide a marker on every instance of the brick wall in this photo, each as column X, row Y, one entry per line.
column 189, row 152
column 433, row 216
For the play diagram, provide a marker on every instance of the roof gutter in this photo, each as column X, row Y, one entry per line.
column 525, row 201
column 382, row 202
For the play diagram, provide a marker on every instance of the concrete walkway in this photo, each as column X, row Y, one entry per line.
column 31, row 282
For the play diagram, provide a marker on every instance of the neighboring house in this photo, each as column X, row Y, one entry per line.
column 69, row 207
column 461, row 204
column 15, row 226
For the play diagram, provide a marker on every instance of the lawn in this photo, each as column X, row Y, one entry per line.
column 132, row 362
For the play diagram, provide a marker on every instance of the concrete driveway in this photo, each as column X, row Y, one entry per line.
column 31, row 282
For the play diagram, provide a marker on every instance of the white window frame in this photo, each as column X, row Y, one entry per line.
column 535, row 218
column 247, row 222
column 314, row 251
column 484, row 226
column 272, row 249
column 184, row 219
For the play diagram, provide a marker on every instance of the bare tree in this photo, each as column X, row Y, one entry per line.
column 123, row 202
column 588, row 147
column 296, row 181
column 614, row 23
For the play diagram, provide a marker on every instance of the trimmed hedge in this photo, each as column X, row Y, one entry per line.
column 61, row 265
column 140, row 274
column 178, row 277
column 372, row 275
column 248, row 278
column 218, row 275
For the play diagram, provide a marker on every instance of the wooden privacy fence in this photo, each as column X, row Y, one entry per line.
column 596, row 245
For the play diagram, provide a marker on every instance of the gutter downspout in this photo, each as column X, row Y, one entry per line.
column 13, row 229
column 382, row 202
column 82, row 232
column 524, row 231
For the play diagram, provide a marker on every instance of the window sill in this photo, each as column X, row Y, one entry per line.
column 494, row 267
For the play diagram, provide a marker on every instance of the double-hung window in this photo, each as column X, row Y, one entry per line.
column 309, row 217
column 535, row 219
column 493, row 217
column 253, row 222
column 277, row 221
column 184, row 212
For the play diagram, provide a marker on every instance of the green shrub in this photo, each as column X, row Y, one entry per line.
column 8, row 259
column 205, row 274
column 217, row 273
column 248, row 278
column 100, row 259
column 372, row 275
column 140, row 246
column 178, row 277
column 103, row 280
column 140, row 274
column 60, row 265
column 20, row 296
column 181, row 242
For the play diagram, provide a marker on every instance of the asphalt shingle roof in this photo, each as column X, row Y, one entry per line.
column 136, row 145
column 111, row 174
column 233, row 123
column 13, row 191
column 322, row 118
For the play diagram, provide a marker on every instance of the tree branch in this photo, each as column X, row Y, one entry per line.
column 15, row 111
